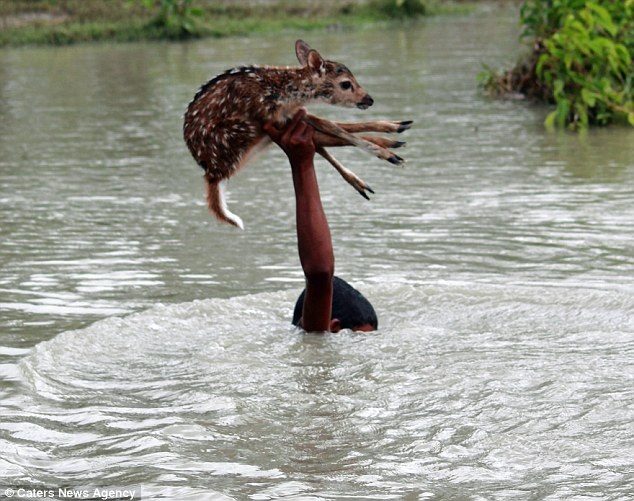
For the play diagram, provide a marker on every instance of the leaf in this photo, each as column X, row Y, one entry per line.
column 588, row 97
column 558, row 87
column 604, row 18
column 539, row 69
column 623, row 55
column 630, row 119
column 563, row 109
column 549, row 123
column 578, row 27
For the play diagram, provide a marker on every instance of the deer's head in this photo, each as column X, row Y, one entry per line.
column 333, row 82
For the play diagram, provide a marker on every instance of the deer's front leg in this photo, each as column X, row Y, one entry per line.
column 331, row 128
column 328, row 141
column 382, row 126
column 385, row 126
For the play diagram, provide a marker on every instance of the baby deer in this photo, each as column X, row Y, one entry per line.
column 223, row 123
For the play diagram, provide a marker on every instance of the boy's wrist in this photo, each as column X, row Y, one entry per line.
column 301, row 162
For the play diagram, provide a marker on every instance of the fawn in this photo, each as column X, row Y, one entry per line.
column 223, row 123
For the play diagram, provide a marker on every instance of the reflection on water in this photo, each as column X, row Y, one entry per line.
column 499, row 260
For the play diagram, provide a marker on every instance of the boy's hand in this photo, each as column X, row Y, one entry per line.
column 296, row 139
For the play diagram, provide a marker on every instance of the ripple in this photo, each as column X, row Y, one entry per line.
column 499, row 260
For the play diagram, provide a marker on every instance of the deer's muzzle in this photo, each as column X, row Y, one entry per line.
column 366, row 102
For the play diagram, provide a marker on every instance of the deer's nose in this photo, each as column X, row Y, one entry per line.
column 366, row 102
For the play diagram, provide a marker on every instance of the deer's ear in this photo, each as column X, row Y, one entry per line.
column 315, row 61
column 301, row 50
column 308, row 57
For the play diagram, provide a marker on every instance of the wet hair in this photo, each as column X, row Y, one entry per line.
column 349, row 306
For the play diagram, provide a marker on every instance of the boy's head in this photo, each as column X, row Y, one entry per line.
column 350, row 309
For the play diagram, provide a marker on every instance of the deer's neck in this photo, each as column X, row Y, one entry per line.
column 291, row 86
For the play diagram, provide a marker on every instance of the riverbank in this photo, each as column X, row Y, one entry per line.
column 41, row 22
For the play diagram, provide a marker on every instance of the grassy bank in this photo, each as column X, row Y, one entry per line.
column 58, row 22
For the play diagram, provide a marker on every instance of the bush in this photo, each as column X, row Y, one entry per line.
column 581, row 61
column 399, row 9
column 176, row 17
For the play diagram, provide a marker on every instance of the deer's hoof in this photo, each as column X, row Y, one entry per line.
column 404, row 125
column 362, row 187
column 396, row 160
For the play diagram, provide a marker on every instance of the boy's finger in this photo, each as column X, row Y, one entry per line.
column 301, row 113
column 274, row 133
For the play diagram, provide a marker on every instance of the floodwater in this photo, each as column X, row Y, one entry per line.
column 144, row 345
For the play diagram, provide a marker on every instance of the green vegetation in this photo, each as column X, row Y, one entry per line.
column 401, row 9
column 581, row 61
column 174, row 16
column 70, row 21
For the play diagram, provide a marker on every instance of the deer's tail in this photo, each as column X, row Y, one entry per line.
column 217, row 204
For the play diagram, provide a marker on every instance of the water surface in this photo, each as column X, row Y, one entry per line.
column 144, row 344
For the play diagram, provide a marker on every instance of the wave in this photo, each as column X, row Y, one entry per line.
column 181, row 340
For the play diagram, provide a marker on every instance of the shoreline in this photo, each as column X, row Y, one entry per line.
column 66, row 22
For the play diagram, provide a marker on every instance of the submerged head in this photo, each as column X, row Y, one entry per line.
column 334, row 82
column 350, row 309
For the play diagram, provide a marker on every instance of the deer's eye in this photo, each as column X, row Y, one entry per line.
column 346, row 85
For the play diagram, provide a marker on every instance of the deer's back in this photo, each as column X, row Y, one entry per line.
column 224, row 120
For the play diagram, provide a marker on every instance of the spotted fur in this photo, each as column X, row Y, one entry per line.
column 223, row 123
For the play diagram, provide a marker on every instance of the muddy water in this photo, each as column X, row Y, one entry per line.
column 145, row 345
